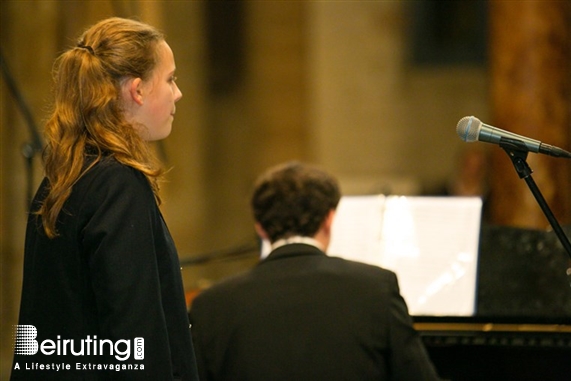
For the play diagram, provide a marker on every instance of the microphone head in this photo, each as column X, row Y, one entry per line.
column 468, row 128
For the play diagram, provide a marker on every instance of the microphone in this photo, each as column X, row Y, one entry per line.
column 471, row 129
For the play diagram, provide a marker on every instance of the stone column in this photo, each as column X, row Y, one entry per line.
column 531, row 95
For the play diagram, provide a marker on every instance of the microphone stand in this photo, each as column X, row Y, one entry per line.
column 34, row 146
column 517, row 152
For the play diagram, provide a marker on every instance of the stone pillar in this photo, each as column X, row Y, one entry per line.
column 28, row 41
column 530, row 59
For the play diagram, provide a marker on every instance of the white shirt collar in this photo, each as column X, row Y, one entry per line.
column 296, row 239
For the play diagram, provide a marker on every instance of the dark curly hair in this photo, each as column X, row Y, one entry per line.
column 293, row 199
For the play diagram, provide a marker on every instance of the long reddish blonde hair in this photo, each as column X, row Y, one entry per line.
column 88, row 113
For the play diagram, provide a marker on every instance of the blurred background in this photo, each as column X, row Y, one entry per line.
column 369, row 90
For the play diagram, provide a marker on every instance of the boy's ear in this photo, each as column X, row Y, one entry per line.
column 260, row 231
column 328, row 222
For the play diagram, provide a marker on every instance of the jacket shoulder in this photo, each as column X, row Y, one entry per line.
column 112, row 176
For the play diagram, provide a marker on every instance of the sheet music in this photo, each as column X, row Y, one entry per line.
column 431, row 243
column 357, row 227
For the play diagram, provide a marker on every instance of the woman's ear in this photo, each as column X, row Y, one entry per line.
column 133, row 90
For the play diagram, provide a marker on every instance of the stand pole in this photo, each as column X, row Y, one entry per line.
column 35, row 145
column 517, row 152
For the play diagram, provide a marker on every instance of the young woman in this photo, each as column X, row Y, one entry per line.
column 102, row 294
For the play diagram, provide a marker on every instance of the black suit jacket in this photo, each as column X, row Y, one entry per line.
column 113, row 273
column 301, row 315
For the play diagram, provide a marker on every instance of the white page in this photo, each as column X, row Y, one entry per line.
column 357, row 227
column 430, row 242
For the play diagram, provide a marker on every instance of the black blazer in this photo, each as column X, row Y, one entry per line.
column 112, row 273
column 301, row 315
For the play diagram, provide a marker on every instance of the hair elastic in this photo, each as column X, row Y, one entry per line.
column 86, row 47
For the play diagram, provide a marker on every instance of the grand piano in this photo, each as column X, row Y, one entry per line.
column 521, row 329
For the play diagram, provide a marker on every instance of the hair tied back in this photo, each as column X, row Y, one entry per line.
column 86, row 47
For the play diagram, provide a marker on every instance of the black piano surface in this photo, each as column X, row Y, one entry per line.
column 521, row 329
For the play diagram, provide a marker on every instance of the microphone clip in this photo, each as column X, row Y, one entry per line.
column 517, row 152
